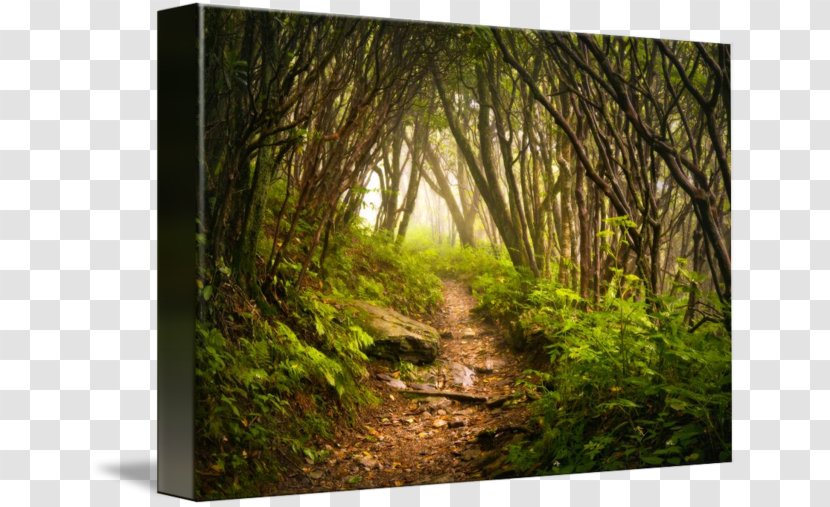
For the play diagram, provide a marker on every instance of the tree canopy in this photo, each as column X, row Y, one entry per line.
column 539, row 138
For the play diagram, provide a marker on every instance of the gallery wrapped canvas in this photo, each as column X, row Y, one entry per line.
column 396, row 253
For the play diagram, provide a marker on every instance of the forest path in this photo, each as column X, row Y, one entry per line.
column 407, row 440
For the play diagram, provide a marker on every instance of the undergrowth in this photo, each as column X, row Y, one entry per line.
column 273, row 379
column 628, row 385
column 374, row 269
column 624, row 384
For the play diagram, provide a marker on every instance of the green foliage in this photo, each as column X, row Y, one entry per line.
column 498, row 286
column 264, row 397
column 501, row 295
column 372, row 268
column 274, row 379
column 407, row 370
column 629, row 385
column 463, row 263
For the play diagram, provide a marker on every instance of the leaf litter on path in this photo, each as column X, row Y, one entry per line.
column 429, row 439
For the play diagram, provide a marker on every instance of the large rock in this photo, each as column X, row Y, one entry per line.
column 397, row 337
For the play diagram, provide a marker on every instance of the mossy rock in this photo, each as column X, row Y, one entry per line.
column 397, row 337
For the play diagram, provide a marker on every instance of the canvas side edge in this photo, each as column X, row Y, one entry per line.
column 179, row 38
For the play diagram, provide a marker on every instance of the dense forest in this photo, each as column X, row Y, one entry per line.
column 577, row 186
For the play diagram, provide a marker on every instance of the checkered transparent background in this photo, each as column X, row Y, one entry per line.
column 78, row 253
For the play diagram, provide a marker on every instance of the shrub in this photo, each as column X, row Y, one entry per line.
column 375, row 269
column 264, row 397
column 628, row 385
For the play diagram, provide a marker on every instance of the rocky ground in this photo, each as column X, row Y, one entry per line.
column 447, row 421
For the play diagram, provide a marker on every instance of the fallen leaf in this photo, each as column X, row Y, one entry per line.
column 369, row 463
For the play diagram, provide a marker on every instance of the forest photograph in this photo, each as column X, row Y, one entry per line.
column 433, row 253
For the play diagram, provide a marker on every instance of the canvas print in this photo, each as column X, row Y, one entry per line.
column 398, row 253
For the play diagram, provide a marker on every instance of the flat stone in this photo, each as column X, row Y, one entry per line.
column 396, row 336
column 489, row 366
column 437, row 403
column 369, row 463
column 461, row 375
column 391, row 381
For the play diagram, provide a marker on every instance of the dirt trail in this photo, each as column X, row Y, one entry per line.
column 422, row 440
